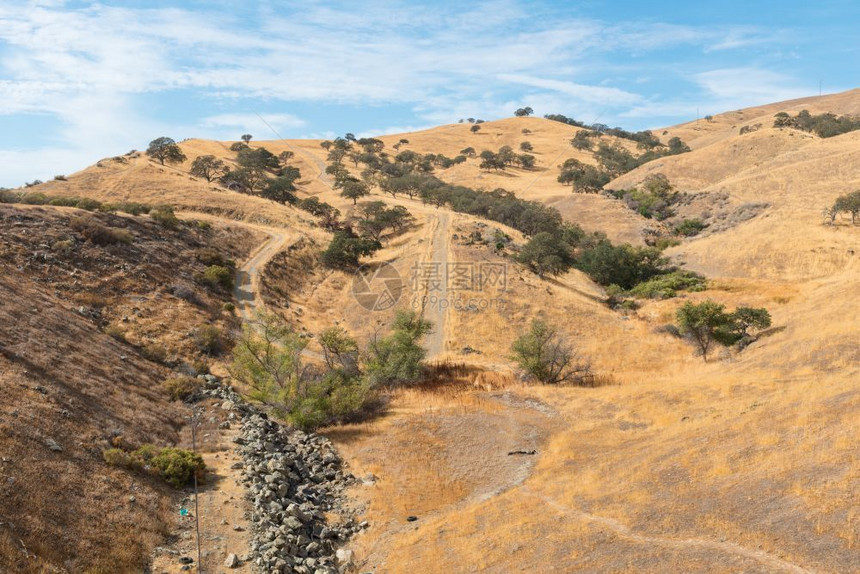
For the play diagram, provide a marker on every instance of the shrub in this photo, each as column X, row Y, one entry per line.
column 622, row 265
column 154, row 352
column 210, row 339
column 88, row 204
column 99, row 234
column 164, row 215
column 64, row 201
column 178, row 466
column 547, row 356
column 667, row 286
column 60, row 178
column 180, row 388
column 34, row 199
column 9, row 196
column 229, row 307
column 131, row 207
column 211, row 256
column 116, row 332
column 217, row 276
column 184, row 292
column 690, row 227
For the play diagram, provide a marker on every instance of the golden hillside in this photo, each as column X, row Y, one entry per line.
column 745, row 462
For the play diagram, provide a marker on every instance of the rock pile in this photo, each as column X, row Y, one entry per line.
column 292, row 478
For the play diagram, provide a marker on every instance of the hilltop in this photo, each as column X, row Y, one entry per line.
column 743, row 462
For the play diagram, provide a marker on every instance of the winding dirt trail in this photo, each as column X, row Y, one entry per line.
column 772, row 562
column 247, row 290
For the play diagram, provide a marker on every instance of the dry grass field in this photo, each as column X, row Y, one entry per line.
column 744, row 463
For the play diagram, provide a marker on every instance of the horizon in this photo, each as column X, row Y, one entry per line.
column 83, row 80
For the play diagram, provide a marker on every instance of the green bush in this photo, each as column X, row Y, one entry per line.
column 88, row 204
column 217, row 276
column 667, row 286
column 164, row 215
column 9, row 196
column 690, row 227
column 229, row 307
column 177, row 466
column 64, row 201
column 131, row 207
column 36, row 198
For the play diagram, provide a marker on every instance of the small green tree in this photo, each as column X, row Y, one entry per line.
column 526, row 146
column 523, row 112
column 247, row 138
column 849, row 203
column 208, row 167
column 164, row 149
column 281, row 189
column 267, row 359
column 548, row 356
column 353, row 188
column 396, row 358
column 703, row 323
column 339, row 349
column 545, row 253
column 475, row 128
column 744, row 319
column 346, row 248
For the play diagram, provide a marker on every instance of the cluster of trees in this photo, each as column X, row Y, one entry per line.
column 848, row 203
column 257, row 171
column 585, row 178
column 362, row 235
column 613, row 160
column 653, row 199
column 268, row 360
column 708, row 322
column 645, row 139
column 523, row 112
column 823, row 125
column 506, row 157
column 398, row 174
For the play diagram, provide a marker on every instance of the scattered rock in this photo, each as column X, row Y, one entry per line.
column 293, row 480
column 53, row 445
column 232, row 561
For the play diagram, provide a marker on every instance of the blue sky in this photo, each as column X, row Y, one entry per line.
column 82, row 80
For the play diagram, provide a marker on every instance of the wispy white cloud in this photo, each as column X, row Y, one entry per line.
column 90, row 66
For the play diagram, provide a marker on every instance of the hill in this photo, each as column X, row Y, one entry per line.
column 743, row 462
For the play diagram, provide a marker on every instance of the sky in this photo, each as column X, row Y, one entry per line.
column 84, row 80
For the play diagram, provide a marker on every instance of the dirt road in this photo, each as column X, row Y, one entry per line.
column 247, row 290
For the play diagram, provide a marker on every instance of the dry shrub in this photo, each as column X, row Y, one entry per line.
column 154, row 352
column 180, row 388
column 99, row 234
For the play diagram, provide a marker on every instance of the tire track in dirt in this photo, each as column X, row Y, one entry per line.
column 624, row 531
column 435, row 307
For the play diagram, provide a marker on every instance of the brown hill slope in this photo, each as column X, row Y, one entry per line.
column 70, row 390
